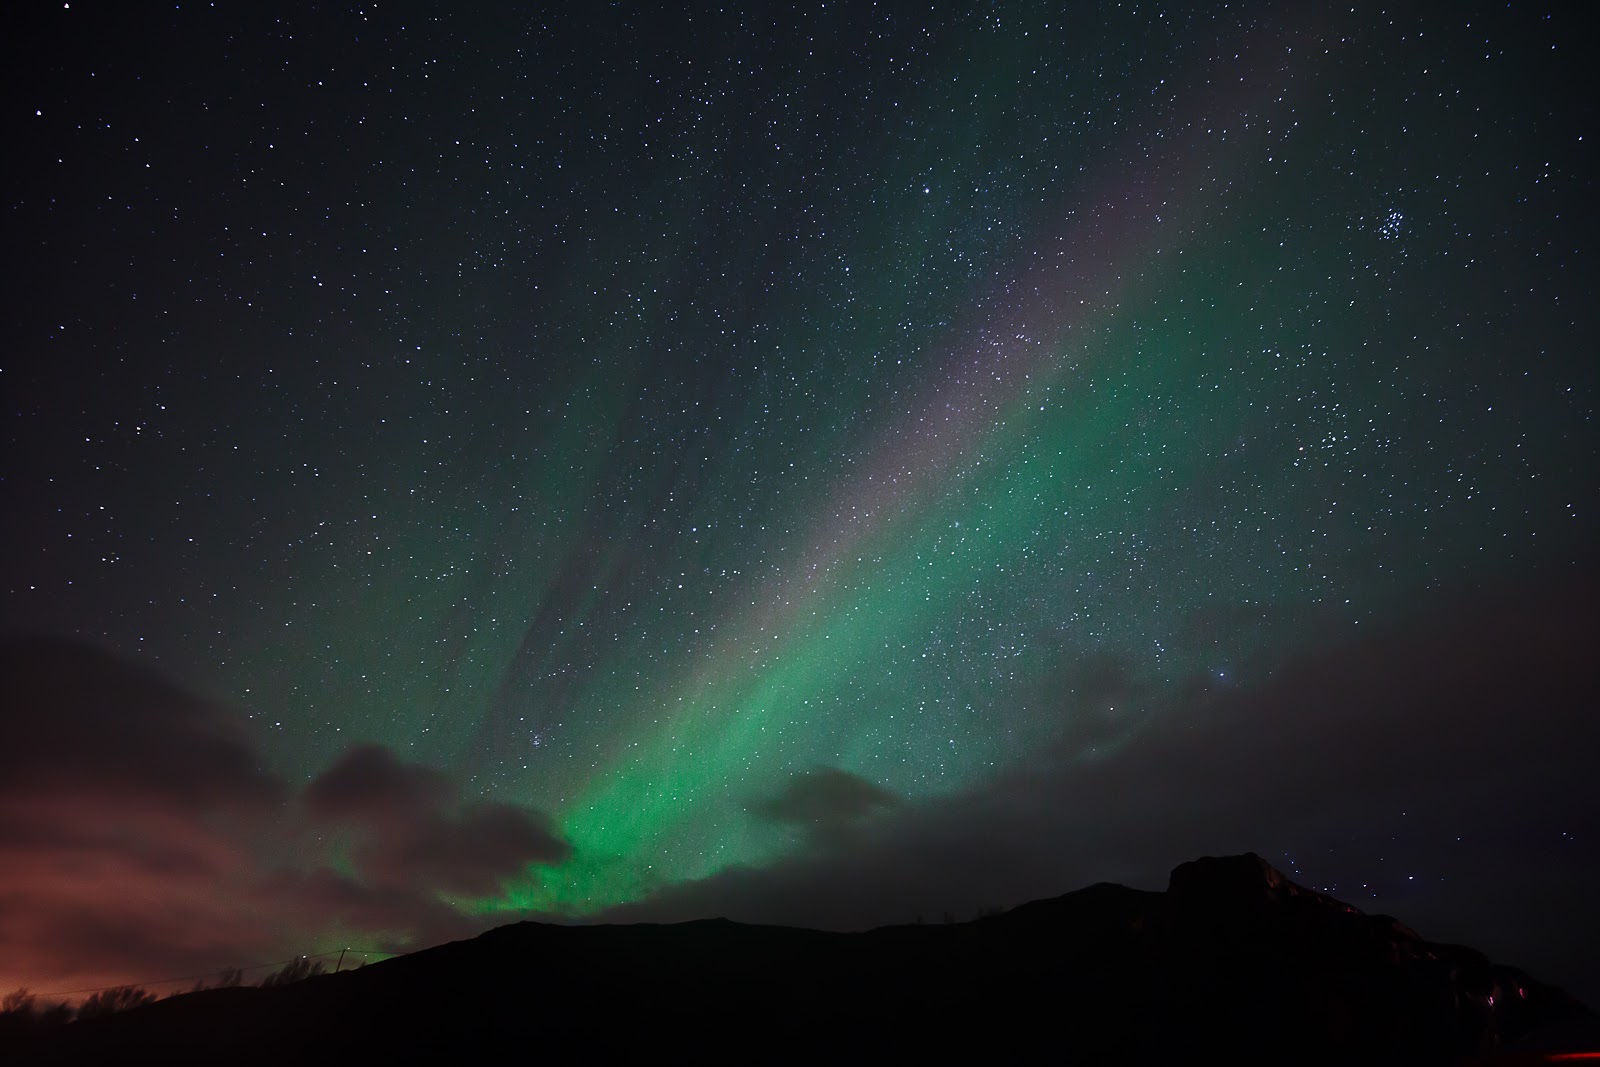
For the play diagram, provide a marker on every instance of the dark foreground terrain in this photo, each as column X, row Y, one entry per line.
column 1232, row 964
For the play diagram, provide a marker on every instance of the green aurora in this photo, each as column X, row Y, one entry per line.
column 670, row 408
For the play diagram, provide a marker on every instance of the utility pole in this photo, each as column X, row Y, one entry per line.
column 336, row 966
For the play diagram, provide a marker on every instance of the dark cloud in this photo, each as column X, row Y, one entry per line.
column 124, row 807
column 826, row 797
column 368, row 783
column 475, row 850
column 1097, row 697
column 412, row 831
column 141, row 835
column 75, row 721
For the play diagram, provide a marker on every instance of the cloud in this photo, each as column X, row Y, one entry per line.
column 826, row 797
column 368, row 783
column 141, row 835
column 412, row 831
column 475, row 850
column 125, row 807
column 77, row 723
column 1098, row 697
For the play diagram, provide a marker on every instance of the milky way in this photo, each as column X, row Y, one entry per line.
column 628, row 413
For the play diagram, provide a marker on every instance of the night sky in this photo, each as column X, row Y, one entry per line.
column 826, row 466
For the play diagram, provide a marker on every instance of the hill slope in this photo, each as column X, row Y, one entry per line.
column 1233, row 961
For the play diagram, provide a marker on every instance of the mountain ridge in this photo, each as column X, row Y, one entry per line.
column 1233, row 959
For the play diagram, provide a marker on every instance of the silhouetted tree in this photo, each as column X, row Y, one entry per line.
column 118, row 998
column 17, row 1002
column 16, row 1015
column 230, row 978
column 293, row 971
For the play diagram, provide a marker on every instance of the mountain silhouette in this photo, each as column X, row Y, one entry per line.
column 1233, row 963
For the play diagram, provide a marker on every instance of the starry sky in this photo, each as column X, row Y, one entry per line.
column 826, row 465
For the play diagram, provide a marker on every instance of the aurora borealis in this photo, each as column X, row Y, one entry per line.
column 739, row 436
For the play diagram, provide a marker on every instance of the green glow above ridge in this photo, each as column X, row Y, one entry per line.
column 845, row 460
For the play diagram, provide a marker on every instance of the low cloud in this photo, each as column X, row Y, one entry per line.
column 368, row 784
column 141, row 835
column 825, row 798
column 411, row 830
column 77, row 723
